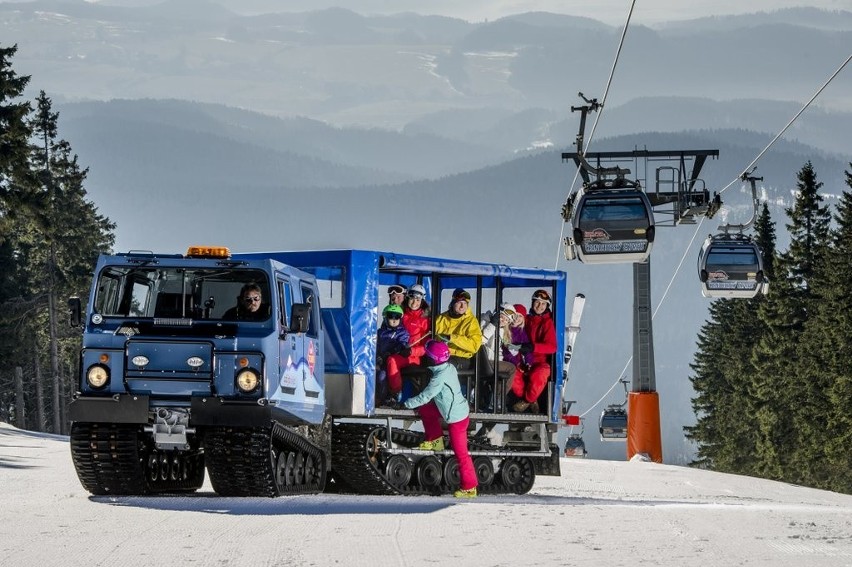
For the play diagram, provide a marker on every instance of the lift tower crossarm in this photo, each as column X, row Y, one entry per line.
column 700, row 156
column 584, row 166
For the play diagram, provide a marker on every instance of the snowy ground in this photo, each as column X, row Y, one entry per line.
column 598, row 513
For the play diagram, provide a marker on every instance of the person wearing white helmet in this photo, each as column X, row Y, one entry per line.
column 416, row 321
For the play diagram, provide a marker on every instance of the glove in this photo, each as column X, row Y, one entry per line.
column 405, row 351
column 394, row 405
column 380, row 362
column 444, row 338
column 525, row 348
column 495, row 319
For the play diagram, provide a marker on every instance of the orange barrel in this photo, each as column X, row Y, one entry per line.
column 643, row 425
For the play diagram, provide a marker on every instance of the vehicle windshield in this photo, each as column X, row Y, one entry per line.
column 613, row 209
column 732, row 257
column 188, row 293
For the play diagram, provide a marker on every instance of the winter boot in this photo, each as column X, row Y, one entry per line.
column 462, row 493
column 434, row 445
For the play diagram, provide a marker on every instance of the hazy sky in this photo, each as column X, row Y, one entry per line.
column 615, row 11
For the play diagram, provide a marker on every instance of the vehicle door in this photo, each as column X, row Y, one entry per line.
column 313, row 369
column 291, row 346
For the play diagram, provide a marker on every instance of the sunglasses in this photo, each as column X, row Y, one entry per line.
column 393, row 316
column 251, row 299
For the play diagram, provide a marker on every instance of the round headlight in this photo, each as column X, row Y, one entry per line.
column 247, row 380
column 97, row 376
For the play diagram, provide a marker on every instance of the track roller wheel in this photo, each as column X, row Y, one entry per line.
column 518, row 474
column 451, row 473
column 398, row 471
column 429, row 473
column 484, row 470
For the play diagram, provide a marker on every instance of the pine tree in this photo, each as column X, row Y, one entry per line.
column 50, row 236
column 60, row 240
column 14, row 170
column 724, row 375
column 826, row 361
column 722, row 371
column 782, row 396
column 14, row 176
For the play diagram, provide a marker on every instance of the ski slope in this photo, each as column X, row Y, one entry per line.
column 598, row 513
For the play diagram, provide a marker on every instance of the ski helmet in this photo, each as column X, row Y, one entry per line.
column 438, row 351
column 392, row 309
column 417, row 290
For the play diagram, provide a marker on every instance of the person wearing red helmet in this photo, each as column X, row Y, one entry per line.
column 542, row 333
column 442, row 398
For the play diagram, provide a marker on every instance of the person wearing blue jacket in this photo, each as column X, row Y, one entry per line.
column 391, row 344
column 442, row 398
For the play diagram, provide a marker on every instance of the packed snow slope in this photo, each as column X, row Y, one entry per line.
column 598, row 513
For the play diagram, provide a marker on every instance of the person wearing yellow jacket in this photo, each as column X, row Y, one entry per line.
column 460, row 330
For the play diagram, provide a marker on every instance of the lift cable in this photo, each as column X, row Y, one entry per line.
column 749, row 167
column 653, row 316
column 698, row 226
column 595, row 123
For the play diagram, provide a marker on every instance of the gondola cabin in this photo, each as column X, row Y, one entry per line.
column 731, row 266
column 613, row 226
column 613, row 423
column 575, row 446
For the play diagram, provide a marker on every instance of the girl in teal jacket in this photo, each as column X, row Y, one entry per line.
column 442, row 398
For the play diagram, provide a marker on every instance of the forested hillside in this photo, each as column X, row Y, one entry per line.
column 772, row 374
column 50, row 236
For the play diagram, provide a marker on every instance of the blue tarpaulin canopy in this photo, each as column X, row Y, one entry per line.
column 352, row 282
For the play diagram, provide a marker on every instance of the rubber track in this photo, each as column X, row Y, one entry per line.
column 351, row 462
column 108, row 459
column 240, row 461
column 113, row 459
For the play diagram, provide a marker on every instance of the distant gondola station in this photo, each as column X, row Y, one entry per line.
column 731, row 266
column 613, row 226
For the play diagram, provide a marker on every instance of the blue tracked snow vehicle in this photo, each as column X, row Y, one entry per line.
column 172, row 384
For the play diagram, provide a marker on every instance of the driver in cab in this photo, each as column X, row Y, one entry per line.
column 249, row 305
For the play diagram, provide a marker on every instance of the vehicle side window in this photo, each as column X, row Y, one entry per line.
column 309, row 295
column 108, row 294
column 285, row 300
column 139, row 299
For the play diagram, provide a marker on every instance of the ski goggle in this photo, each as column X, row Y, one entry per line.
column 462, row 296
column 393, row 316
column 416, row 295
column 542, row 295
